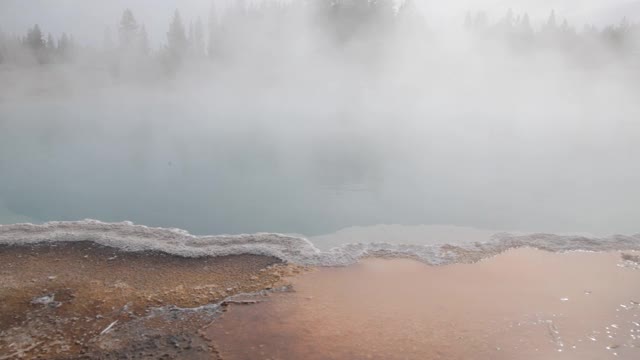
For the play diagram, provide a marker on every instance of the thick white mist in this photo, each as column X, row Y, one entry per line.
column 297, row 129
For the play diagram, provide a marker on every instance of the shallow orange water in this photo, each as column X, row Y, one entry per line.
column 524, row 304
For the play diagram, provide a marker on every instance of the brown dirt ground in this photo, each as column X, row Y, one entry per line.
column 84, row 287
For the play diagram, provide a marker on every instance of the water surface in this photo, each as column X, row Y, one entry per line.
column 524, row 304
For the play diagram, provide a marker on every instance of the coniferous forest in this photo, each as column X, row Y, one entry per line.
column 363, row 31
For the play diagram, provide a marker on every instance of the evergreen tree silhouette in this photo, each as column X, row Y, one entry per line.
column 177, row 44
column 526, row 31
column 34, row 38
column 551, row 24
column 128, row 30
column 64, row 47
column 51, row 44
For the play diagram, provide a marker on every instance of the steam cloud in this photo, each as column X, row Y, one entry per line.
column 313, row 116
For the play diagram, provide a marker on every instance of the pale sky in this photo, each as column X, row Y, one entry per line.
column 87, row 19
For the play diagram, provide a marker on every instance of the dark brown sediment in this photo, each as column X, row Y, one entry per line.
column 522, row 304
column 57, row 298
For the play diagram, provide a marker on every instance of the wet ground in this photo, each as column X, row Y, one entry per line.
column 523, row 304
column 82, row 300
column 85, row 301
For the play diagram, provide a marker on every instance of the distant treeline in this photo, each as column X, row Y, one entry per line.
column 267, row 28
column 517, row 31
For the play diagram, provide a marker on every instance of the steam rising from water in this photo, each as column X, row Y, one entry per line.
column 294, row 132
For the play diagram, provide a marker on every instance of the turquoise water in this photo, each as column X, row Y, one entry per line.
column 242, row 165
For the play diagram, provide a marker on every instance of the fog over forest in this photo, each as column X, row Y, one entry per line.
column 312, row 116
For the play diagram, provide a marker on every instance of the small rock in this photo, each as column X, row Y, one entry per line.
column 43, row 300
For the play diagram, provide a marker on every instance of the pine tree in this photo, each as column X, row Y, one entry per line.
column 51, row 44
column 128, row 29
column 524, row 33
column 64, row 46
column 551, row 22
column 525, row 27
column 34, row 38
column 177, row 39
